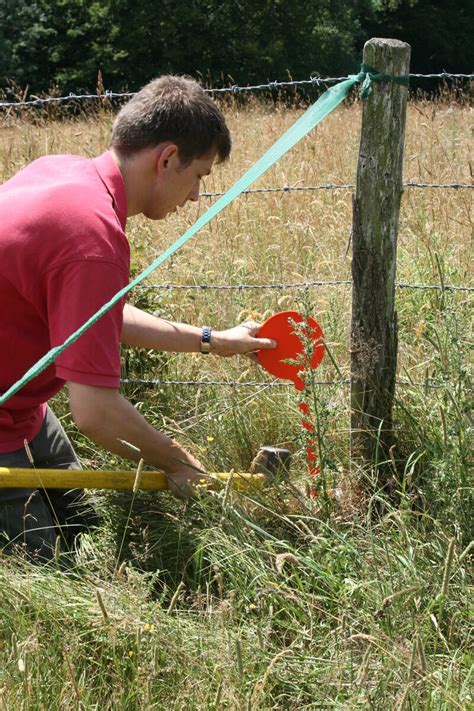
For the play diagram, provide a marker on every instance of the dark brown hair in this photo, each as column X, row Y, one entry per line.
column 172, row 108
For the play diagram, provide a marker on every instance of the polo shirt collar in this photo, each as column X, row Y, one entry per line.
column 111, row 176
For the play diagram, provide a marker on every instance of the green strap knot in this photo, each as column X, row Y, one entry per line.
column 368, row 75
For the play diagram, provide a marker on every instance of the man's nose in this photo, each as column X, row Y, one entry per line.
column 194, row 194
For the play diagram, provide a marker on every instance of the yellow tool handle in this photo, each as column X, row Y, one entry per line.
column 11, row 478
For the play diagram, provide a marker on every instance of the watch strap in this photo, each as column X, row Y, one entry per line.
column 206, row 340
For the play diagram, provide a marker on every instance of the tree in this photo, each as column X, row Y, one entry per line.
column 66, row 42
column 25, row 38
column 440, row 33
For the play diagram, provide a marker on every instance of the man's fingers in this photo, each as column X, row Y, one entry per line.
column 253, row 328
column 251, row 325
column 182, row 483
column 265, row 343
column 181, row 490
column 241, row 340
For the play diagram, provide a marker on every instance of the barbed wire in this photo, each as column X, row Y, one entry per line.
column 316, row 81
column 438, row 287
column 312, row 81
column 455, row 186
column 286, row 189
column 334, row 186
column 442, row 75
column 234, row 89
column 296, row 285
column 228, row 383
column 243, row 287
column 274, row 384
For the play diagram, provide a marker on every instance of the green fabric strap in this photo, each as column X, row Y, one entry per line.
column 368, row 75
column 326, row 103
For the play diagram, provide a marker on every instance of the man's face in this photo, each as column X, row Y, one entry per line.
column 175, row 184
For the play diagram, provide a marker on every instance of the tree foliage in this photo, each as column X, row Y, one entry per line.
column 25, row 38
column 64, row 43
column 440, row 33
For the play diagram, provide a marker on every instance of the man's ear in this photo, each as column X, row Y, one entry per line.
column 166, row 154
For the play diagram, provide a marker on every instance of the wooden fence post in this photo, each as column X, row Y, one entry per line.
column 376, row 207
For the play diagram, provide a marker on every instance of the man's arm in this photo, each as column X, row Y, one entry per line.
column 104, row 416
column 143, row 330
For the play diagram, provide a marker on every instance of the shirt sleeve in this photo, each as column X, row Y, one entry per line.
column 74, row 292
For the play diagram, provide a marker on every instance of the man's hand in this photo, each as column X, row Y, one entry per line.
column 112, row 422
column 182, row 483
column 240, row 340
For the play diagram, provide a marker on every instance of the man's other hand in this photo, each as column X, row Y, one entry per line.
column 240, row 340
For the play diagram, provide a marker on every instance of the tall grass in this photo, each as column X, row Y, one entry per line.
column 271, row 600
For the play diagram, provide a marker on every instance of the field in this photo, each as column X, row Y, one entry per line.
column 271, row 600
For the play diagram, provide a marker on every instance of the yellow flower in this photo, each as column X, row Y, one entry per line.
column 210, row 439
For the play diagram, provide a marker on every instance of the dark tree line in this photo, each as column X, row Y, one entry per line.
column 46, row 44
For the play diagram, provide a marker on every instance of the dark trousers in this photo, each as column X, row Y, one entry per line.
column 32, row 519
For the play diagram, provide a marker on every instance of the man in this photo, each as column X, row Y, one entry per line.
column 63, row 254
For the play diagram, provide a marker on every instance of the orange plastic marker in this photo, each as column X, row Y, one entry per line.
column 290, row 330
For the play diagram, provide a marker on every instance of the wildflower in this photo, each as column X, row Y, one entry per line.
column 210, row 439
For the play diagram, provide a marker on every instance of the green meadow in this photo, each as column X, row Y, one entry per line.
column 270, row 599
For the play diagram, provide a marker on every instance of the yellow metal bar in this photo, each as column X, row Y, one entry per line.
column 11, row 478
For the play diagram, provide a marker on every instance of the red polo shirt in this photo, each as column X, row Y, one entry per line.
column 63, row 254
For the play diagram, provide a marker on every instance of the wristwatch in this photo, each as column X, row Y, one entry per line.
column 206, row 340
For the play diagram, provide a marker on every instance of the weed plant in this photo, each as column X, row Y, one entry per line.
column 269, row 599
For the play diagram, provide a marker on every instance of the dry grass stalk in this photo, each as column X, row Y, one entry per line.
column 100, row 600
column 138, row 476
column 447, row 567
column 174, row 599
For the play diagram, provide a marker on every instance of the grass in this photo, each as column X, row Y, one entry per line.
column 271, row 600
column 233, row 601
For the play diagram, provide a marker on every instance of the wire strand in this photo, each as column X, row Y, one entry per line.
column 235, row 89
column 297, row 285
column 342, row 186
column 273, row 384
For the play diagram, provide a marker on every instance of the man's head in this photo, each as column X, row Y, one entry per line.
column 172, row 109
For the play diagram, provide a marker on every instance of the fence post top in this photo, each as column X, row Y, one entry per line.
column 386, row 42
